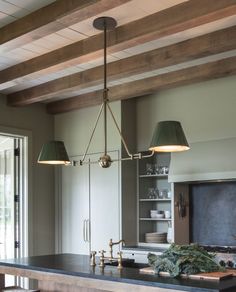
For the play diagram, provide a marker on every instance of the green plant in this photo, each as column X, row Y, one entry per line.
column 184, row 259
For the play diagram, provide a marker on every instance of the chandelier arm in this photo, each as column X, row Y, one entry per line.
column 91, row 137
column 149, row 155
column 135, row 156
column 118, row 129
column 131, row 157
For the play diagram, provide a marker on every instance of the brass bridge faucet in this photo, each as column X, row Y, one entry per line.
column 109, row 258
column 111, row 243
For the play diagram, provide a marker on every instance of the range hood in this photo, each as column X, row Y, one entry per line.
column 205, row 161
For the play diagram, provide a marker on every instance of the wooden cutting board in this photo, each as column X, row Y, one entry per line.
column 233, row 271
column 216, row 276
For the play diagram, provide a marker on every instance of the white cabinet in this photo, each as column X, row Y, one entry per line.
column 90, row 206
column 104, row 203
column 75, row 209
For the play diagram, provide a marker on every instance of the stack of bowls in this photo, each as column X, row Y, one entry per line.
column 153, row 213
column 156, row 237
column 156, row 214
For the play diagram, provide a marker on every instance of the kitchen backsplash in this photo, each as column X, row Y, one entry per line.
column 212, row 213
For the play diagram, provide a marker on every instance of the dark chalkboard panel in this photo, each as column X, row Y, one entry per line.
column 213, row 213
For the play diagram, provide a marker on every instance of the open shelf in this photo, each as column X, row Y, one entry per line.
column 152, row 185
column 155, row 200
column 153, row 175
column 160, row 245
column 155, row 219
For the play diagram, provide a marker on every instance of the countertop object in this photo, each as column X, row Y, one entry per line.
column 75, row 269
column 215, row 276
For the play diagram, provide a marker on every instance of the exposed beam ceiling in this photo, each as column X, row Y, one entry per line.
column 52, row 18
column 145, row 86
column 160, row 24
column 203, row 46
column 53, row 54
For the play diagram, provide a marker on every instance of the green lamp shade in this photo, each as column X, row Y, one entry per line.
column 53, row 152
column 169, row 137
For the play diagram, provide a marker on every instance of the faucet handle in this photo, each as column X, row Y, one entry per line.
column 92, row 257
column 119, row 253
column 102, row 258
column 102, row 252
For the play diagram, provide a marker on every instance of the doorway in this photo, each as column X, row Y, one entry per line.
column 12, row 200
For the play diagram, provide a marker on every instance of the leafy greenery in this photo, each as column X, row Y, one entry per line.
column 184, row 259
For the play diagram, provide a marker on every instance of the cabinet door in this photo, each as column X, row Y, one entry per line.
column 105, row 204
column 75, row 209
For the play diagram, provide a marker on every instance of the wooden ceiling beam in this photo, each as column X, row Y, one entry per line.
column 50, row 19
column 217, row 69
column 203, row 46
column 175, row 19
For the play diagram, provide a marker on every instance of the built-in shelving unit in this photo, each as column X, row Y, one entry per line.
column 155, row 200
column 161, row 200
column 153, row 176
column 155, row 219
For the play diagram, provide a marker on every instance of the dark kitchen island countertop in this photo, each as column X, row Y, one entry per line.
column 73, row 269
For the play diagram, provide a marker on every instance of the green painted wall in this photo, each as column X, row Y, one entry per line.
column 34, row 121
column 75, row 128
column 207, row 111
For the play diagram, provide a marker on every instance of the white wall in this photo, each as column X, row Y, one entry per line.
column 39, row 125
column 207, row 111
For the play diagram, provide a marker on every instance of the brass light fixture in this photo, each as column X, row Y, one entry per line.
column 158, row 142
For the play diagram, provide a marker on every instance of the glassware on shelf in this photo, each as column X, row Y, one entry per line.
column 169, row 194
column 156, row 193
column 152, row 193
column 149, row 169
column 156, row 169
column 160, row 169
column 163, row 194
column 165, row 169
column 167, row 214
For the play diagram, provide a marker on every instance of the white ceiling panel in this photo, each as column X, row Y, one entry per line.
column 30, row 5
column 11, row 10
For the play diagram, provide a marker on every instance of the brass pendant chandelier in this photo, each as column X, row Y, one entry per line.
column 168, row 136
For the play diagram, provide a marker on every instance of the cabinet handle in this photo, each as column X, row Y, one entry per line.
column 84, row 234
column 88, row 230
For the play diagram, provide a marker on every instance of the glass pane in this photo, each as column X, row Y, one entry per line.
column 7, row 200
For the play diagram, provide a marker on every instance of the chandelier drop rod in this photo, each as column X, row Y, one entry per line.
column 105, row 89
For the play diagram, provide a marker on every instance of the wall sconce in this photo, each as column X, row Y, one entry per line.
column 181, row 204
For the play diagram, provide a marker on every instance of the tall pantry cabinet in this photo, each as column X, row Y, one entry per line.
column 90, row 201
